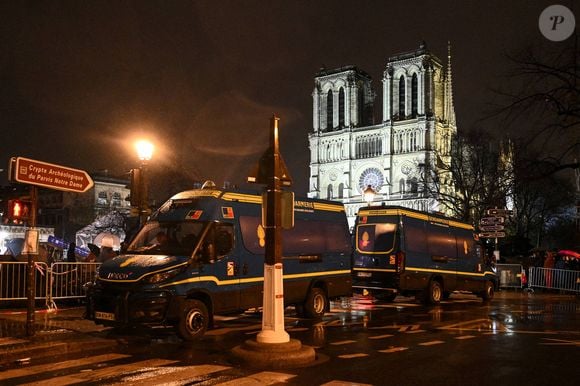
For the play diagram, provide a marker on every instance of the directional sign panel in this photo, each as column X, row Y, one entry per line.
column 48, row 175
column 491, row 220
column 499, row 212
column 492, row 235
column 491, row 228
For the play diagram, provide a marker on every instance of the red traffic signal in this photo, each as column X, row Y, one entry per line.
column 18, row 209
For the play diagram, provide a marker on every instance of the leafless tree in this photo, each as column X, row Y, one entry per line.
column 540, row 103
column 471, row 180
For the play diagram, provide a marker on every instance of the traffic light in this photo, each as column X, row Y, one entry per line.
column 19, row 210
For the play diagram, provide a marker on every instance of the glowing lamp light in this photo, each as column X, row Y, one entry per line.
column 144, row 150
column 369, row 195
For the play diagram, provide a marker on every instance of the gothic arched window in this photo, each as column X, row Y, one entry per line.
column 329, row 112
column 341, row 108
column 360, row 109
column 329, row 192
column 402, row 97
column 341, row 190
column 414, row 90
column 414, row 185
column 402, row 185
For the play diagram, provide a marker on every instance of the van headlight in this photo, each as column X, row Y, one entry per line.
column 161, row 276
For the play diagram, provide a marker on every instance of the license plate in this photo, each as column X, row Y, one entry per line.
column 104, row 315
column 364, row 274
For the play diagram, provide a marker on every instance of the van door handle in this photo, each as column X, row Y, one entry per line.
column 440, row 259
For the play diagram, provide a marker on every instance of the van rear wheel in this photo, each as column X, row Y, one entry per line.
column 488, row 291
column 194, row 320
column 433, row 293
column 316, row 304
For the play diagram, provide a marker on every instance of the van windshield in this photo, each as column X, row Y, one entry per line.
column 167, row 238
column 376, row 238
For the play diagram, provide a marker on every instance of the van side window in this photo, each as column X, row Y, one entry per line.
column 217, row 243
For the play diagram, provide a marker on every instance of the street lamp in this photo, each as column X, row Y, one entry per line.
column 144, row 152
column 369, row 195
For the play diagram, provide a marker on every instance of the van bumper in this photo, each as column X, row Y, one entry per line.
column 126, row 308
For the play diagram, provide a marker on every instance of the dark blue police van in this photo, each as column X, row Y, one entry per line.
column 404, row 251
column 202, row 253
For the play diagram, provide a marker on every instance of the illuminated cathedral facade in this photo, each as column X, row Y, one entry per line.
column 349, row 151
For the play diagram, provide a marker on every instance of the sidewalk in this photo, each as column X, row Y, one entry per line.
column 62, row 331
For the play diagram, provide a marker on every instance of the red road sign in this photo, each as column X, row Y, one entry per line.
column 48, row 175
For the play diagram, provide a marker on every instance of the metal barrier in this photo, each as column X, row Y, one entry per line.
column 558, row 279
column 57, row 282
column 510, row 275
column 13, row 280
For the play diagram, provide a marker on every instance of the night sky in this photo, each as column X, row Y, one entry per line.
column 81, row 80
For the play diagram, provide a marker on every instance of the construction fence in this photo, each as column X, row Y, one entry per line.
column 55, row 282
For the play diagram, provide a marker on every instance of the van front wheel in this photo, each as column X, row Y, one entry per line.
column 316, row 304
column 194, row 320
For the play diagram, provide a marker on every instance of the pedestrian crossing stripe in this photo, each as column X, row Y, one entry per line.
column 351, row 356
column 431, row 343
column 394, row 349
column 26, row 371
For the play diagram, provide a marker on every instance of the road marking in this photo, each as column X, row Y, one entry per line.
column 60, row 365
column 7, row 341
column 170, row 375
column 394, row 349
column 397, row 305
column 401, row 328
column 350, row 356
column 343, row 383
column 380, row 336
column 226, row 330
column 561, row 342
column 465, row 337
column 343, row 342
column 263, row 378
column 431, row 343
column 109, row 371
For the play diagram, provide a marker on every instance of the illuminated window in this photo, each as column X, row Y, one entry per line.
column 102, row 198
column 116, row 199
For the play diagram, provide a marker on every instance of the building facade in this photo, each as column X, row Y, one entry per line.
column 68, row 212
column 349, row 151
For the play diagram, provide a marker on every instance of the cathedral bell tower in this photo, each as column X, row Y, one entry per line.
column 349, row 152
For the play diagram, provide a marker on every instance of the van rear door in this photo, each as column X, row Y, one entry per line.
column 376, row 244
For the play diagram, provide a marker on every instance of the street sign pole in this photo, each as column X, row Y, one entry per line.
column 273, row 347
column 273, row 307
column 39, row 173
column 30, row 279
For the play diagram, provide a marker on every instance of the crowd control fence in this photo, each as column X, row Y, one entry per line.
column 564, row 280
column 53, row 282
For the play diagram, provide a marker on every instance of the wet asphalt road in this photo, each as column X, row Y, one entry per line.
column 517, row 339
